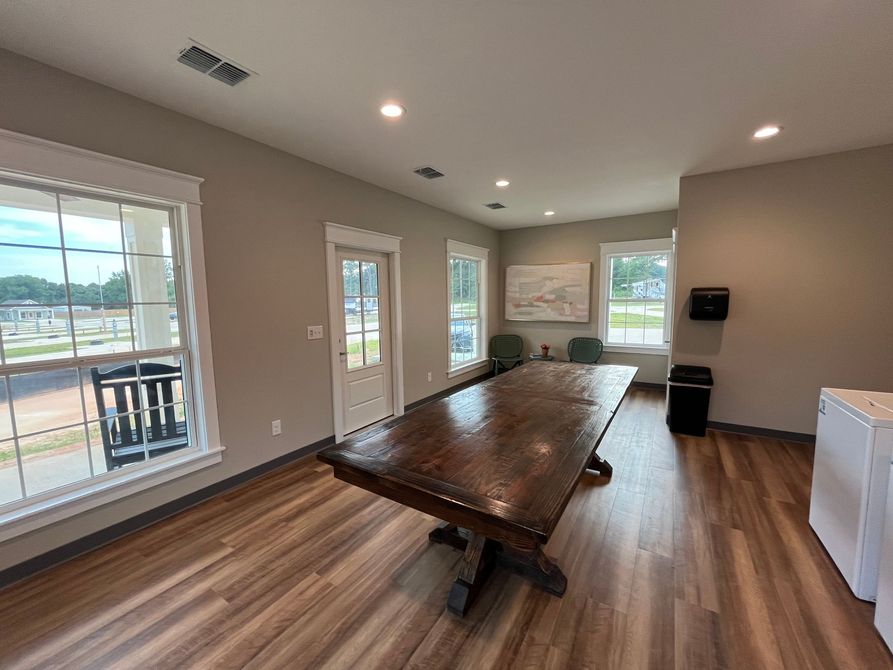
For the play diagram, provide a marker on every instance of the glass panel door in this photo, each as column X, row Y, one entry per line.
column 362, row 325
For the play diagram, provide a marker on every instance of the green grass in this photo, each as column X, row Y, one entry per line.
column 48, row 443
column 619, row 320
column 357, row 347
column 55, row 348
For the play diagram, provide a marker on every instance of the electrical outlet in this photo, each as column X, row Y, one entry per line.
column 429, row 376
column 314, row 332
column 277, row 427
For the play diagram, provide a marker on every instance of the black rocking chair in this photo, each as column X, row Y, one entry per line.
column 122, row 427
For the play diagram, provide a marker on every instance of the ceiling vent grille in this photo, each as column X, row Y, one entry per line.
column 428, row 172
column 495, row 205
column 214, row 65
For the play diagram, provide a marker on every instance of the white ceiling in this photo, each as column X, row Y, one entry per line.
column 590, row 108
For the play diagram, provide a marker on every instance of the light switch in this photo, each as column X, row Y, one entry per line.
column 314, row 332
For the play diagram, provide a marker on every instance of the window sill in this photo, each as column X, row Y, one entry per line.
column 632, row 349
column 467, row 367
column 76, row 498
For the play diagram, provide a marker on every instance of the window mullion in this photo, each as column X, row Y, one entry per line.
column 68, row 297
column 15, row 435
column 84, row 417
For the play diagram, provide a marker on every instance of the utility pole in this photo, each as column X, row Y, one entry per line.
column 101, row 301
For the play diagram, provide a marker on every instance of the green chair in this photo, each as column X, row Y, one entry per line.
column 584, row 349
column 505, row 352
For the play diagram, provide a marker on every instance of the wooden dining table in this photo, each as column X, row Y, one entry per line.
column 497, row 462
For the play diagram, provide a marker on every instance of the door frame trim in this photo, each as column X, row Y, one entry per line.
column 337, row 235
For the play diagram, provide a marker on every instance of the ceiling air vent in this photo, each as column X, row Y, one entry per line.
column 207, row 62
column 229, row 74
column 428, row 172
column 495, row 205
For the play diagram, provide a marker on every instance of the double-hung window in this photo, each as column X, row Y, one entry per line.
column 467, row 306
column 635, row 306
column 99, row 382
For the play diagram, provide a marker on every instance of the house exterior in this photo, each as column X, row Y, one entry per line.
column 24, row 310
column 649, row 288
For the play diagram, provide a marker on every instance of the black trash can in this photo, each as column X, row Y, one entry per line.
column 689, row 399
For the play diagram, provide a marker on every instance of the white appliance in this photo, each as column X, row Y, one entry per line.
column 854, row 447
column 883, row 613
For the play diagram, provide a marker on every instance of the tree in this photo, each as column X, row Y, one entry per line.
column 627, row 270
column 114, row 290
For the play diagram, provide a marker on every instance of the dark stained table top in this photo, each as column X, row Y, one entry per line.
column 502, row 457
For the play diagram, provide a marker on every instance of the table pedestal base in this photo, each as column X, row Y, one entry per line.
column 482, row 554
column 600, row 465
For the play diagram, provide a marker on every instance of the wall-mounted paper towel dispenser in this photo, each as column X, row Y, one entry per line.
column 708, row 304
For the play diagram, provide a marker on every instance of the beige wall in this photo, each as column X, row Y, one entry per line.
column 263, row 212
column 806, row 248
column 580, row 241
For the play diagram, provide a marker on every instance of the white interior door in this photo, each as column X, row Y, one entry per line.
column 365, row 339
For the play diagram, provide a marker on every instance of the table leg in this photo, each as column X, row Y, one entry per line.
column 473, row 572
column 482, row 553
column 536, row 567
column 600, row 465
column 449, row 534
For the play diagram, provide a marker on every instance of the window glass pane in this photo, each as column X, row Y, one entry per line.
column 619, row 275
column 32, row 281
column 107, row 395
column 354, row 351
column 10, row 487
column 153, row 328
column 146, row 230
column 95, row 279
column 370, row 278
column 48, row 403
column 654, row 323
column 31, row 274
column 28, row 216
column 353, row 319
column 90, row 224
column 173, row 316
column 373, row 347
column 464, row 340
column 162, row 381
column 350, row 271
column 97, row 450
column 102, row 331
column 33, row 332
column 164, row 433
column 5, row 418
column 635, row 317
column 617, row 322
column 471, row 287
column 45, row 400
column 151, row 279
column 464, row 281
column 370, row 313
column 54, row 459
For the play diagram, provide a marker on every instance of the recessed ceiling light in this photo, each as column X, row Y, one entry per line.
column 766, row 132
column 392, row 110
column 502, row 183
column 549, row 213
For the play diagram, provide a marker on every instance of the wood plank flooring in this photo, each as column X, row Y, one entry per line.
column 697, row 554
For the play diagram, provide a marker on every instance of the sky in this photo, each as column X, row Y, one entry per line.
column 28, row 226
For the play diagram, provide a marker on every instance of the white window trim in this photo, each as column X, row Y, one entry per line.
column 609, row 249
column 36, row 160
column 482, row 254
